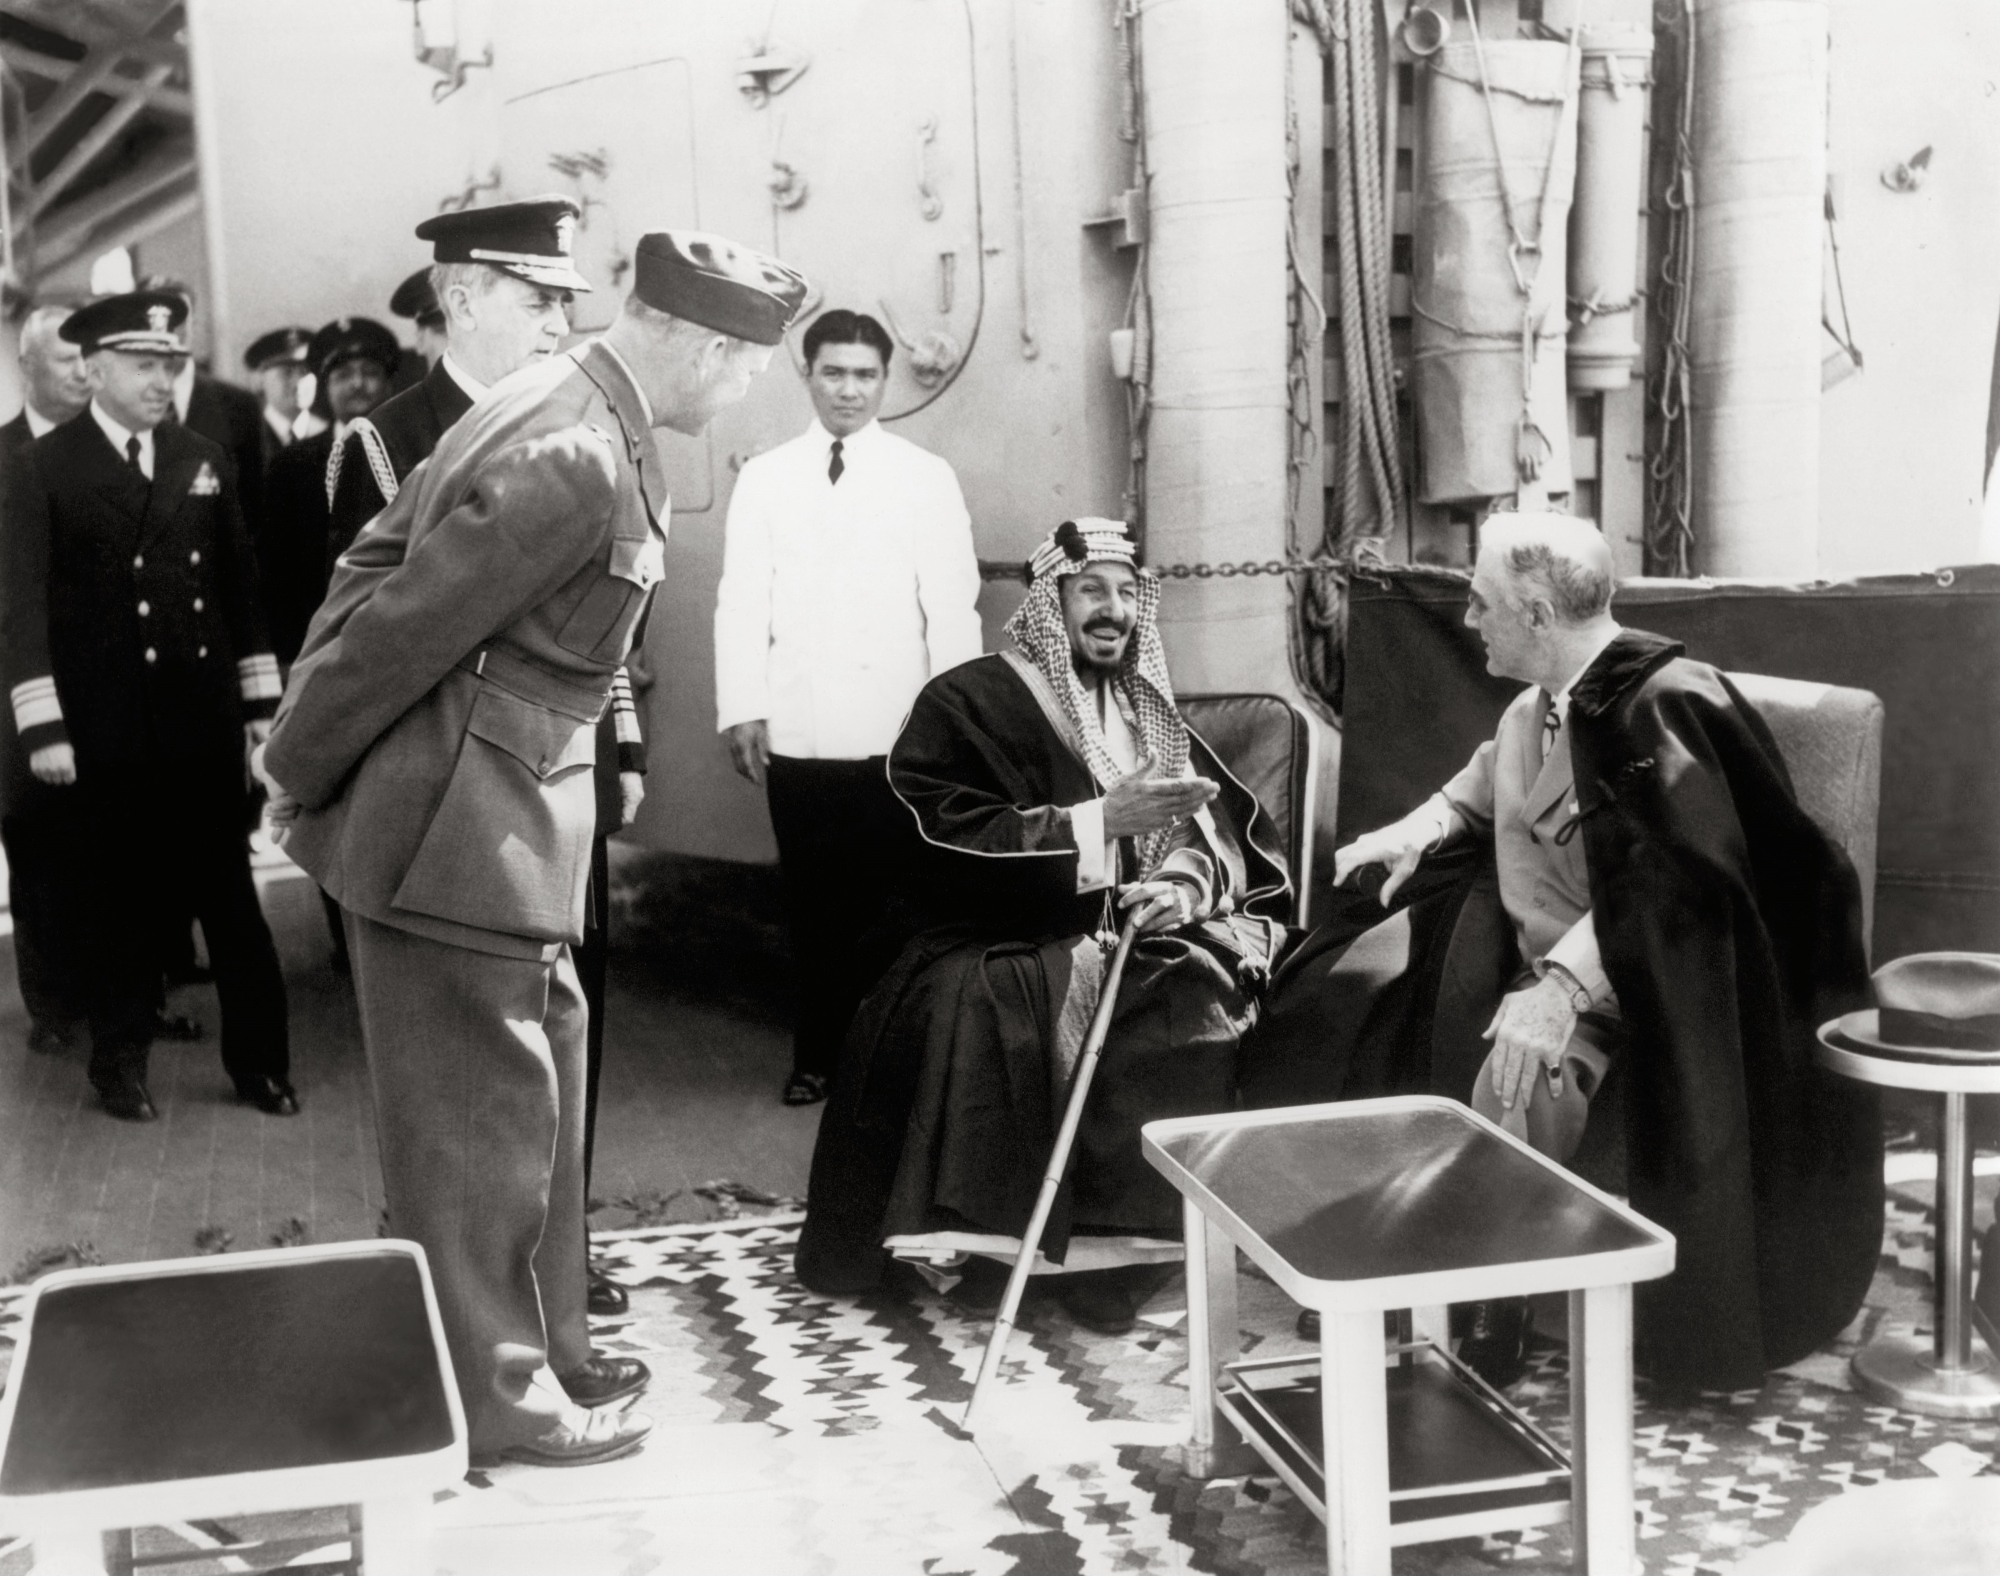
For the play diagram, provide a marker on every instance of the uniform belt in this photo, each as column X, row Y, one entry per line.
column 532, row 682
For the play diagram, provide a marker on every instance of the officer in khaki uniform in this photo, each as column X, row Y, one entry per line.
column 433, row 758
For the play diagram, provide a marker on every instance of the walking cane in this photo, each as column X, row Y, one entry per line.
column 1031, row 1239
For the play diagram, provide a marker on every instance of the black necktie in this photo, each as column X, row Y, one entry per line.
column 835, row 465
column 132, row 456
column 1551, row 726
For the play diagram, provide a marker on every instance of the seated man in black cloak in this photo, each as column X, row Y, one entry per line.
column 1622, row 936
column 1056, row 790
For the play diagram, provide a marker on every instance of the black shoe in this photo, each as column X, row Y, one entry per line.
column 1109, row 1301
column 804, row 1089
column 603, row 1380
column 603, row 1296
column 1494, row 1338
column 177, row 1027
column 45, row 1039
column 125, row 1097
column 270, row 1095
column 982, row 1285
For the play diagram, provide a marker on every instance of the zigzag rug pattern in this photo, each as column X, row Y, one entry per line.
column 799, row 1433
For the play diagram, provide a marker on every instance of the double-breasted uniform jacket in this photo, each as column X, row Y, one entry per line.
column 233, row 417
column 16, row 783
column 440, row 725
column 133, row 626
column 291, row 546
column 382, row 448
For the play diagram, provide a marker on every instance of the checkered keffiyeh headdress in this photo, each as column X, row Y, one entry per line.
column 1142, row 690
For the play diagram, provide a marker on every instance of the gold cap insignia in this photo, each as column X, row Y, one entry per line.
column 565, row 231
column 160, row 318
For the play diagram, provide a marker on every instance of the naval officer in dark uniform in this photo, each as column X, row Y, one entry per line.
column 433, row 762
column 502, row 279
column 414, row 299
column 354, row 359
column 277, row 361
column 139, row 673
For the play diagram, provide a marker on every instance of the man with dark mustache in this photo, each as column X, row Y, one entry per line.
column 1057, row 792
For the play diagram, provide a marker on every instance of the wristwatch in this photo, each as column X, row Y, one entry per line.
column 1579, row 998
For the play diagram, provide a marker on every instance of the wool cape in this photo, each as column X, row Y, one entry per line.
column 943, row 1109
column 1730, row 928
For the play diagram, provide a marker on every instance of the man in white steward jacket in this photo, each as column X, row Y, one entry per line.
column 848, row 582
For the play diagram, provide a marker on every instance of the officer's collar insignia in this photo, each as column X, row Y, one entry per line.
column 160, row 318
column 206, row 483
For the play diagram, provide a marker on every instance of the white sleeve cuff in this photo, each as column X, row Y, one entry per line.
column 1094, row 860
column 1578, row 953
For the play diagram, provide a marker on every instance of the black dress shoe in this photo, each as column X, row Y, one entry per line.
column 804, row 1089
column 1494, row 1338
column 177, row 1027
column 603, row 1380
column 603, row 1296
column 125, row 1097
column 269, row 1095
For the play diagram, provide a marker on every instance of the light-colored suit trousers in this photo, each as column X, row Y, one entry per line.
column 477, row 1068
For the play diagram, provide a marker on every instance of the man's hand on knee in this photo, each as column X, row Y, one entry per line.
column 1530, row 1032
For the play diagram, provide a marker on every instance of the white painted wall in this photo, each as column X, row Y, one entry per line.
column 1902, row 446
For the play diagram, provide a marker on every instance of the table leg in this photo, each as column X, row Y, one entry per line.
column 1354, row 1418
column 397, row 1535
column 1214, row 1338
column 1945, row 1376
column 69, row 1551
column 1600, row 1420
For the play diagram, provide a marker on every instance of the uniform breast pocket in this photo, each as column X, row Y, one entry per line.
column 600, row 625
column 509, row 845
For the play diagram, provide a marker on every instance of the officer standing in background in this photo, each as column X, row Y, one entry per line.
column 139, row 674
column 222, row 413
column 277, row 361
column 354, row 359
column 415, row 300
column 501, row 279
column 38, row 824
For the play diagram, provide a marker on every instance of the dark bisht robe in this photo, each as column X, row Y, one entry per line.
column 1730, row 928
column 945, row 1104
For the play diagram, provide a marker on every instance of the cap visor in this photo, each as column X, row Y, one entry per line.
column 553, row 275
column 142, row 344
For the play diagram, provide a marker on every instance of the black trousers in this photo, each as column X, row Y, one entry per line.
column 842, row 836
column 592, row 957
column 42, row 835
column 176, row 828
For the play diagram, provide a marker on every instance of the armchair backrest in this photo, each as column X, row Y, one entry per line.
column 1267, row 742
column 1831, row 739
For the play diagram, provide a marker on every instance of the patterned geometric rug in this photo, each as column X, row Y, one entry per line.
column 798, row 1433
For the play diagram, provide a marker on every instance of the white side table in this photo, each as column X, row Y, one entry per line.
column 1366, row 1206
column 228, row 1386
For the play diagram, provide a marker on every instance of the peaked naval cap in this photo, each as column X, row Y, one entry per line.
column 531, row 240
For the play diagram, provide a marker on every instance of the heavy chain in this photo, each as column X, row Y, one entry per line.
column 1247, row 566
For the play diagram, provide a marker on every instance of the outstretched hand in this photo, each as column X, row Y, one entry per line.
column 1153, row 804
column 1400, row 846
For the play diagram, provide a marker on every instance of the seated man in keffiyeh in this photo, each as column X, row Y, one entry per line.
column 1055, row 788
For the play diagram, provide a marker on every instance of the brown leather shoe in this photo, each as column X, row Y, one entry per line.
column 603, row 1380
column 583, row 1438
